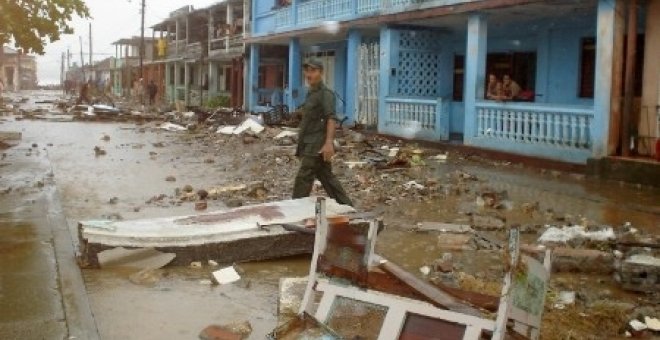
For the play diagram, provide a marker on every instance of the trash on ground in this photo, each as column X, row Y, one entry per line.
column 172, row 127
column 99, row 151
column 226, row 275
column 250, row 125
column 444, row 227
column 637, row 325
column 565, row 298
column 652, row 323
column 286, row 133
column 570, row 233
column 413, row 185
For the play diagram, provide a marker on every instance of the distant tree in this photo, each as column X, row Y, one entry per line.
column 31, row 24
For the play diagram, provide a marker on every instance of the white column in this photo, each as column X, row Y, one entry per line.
column 605, row 26
column 475, row 72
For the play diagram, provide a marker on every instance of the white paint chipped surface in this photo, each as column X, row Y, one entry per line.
column 172, row 232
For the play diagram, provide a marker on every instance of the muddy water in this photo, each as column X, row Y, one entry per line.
column 178, row 305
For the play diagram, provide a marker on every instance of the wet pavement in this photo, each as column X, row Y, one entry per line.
column 140, row 157
column 30, row 301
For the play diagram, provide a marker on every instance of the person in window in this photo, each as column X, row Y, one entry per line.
column 510, row 89
column 494, row 89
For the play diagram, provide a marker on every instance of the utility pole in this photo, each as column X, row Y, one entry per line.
column 91, row 67
column 82, row 60
column 142, row 43
column 62, row 75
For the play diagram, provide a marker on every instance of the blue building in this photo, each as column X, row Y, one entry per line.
column 418, row 68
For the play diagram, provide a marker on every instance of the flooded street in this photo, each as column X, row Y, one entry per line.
column 121, row 184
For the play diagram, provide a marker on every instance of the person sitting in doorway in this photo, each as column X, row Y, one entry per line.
column 494, row 89
column 510, row 89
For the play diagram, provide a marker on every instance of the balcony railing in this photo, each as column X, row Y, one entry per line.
column 228, row 43
column 172, row 49
column 532, row 124
column 309, row 12
column 283, row 17
column 416, row 118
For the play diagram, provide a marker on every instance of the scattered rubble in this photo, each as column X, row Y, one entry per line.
column 226, row 275
column 572, row 234
column 98, row 151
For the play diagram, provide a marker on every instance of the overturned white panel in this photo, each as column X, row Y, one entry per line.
column 214, row 227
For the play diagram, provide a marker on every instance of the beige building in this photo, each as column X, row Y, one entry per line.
column 17, row 71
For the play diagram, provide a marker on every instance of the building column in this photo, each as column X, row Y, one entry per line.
column 213, row 79
column 253, row 77
column 340, row 80
column 176, row 38
column 294, row 89
column 186, row 81
column 230, row 13
column 385, row 72
column 475, row 72
column 605, row 41
column 168, row 78
column 352, row 64
column 542, row 65
column 176, row 82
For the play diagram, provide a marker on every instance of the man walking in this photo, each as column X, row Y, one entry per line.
column 316, row 138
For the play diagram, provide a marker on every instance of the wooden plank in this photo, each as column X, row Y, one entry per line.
column 487, row 302
column 434, row 294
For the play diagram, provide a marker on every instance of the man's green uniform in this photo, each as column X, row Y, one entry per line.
column 319, row 106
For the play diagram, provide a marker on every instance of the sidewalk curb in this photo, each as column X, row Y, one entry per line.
column 78, row 313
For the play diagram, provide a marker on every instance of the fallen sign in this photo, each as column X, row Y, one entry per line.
column 226, row 236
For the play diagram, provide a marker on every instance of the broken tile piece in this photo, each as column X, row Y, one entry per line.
column 652, row 323
column 226, row 275
column 637, row 325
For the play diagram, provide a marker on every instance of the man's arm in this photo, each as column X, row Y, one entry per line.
column 328, row 149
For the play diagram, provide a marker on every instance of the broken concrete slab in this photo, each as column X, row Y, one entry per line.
column 485, row 222
column 639, row 273
column 576, row 260
column 555, row 235
column 227, row 236
column 142, row 259
column 450, row 228
column 226, row 275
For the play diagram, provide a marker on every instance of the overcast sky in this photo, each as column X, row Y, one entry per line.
column 111, row 20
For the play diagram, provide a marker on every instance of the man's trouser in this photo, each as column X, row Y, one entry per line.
column 314, row 167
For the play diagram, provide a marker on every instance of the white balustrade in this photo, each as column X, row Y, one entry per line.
column 283, row 17
column 311, row 11
column 368, row 6
column 539, row 124
column 410, row 113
